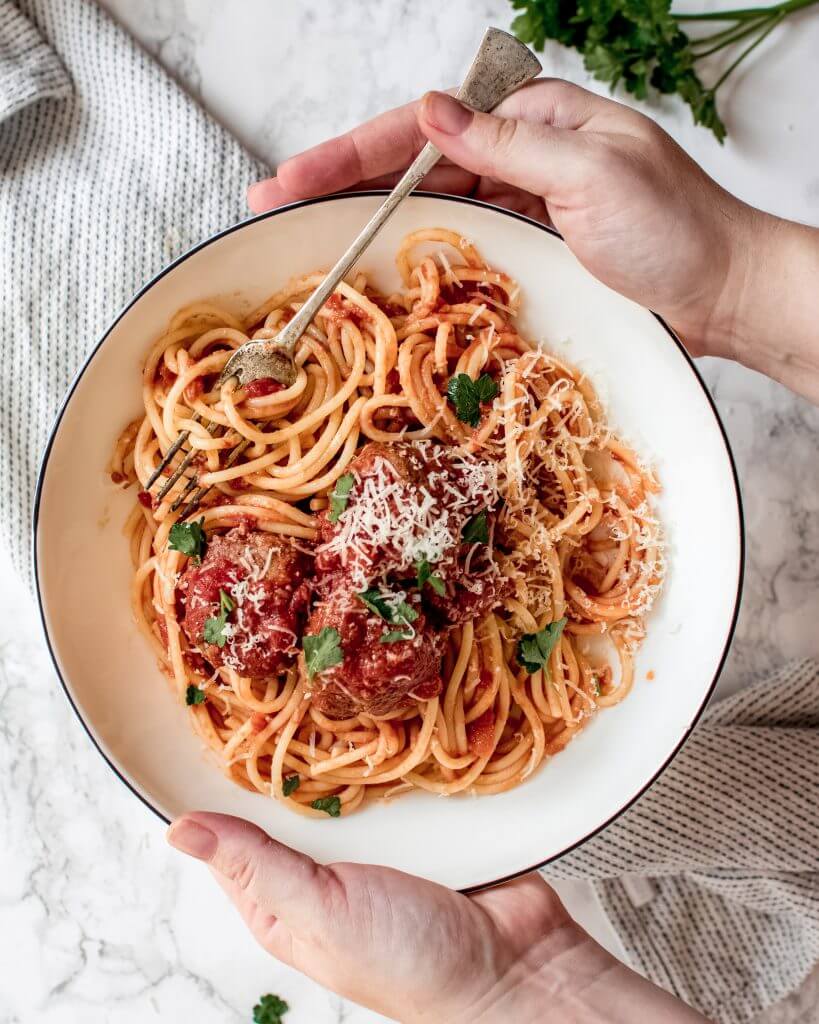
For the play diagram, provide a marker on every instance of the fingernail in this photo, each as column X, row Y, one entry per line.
column 192, row 838
column 446, row 113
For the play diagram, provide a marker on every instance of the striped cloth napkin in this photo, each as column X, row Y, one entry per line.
column 109, row 171
column 711, row 879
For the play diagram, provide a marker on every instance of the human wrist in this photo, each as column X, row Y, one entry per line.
column 517, row 988
column 713, row 324
column 568, row 978
column 755, row 238
column 772, row 324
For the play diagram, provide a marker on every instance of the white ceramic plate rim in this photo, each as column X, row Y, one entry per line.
column 109, row 758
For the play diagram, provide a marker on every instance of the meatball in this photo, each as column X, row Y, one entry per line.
column 471, row 597
column 375, row 678
column 409, row 501
column 265, row 578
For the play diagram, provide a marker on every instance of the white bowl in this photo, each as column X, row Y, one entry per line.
column 655, row 399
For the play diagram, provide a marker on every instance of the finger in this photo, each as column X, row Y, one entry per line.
column 280, row 882
column 529, row 896
column 272, row 935
column 387, row 143
column 498, row 193
column 266, row 195
column 392, row 140
column 269, row 194
column 445, row 177
column 561, row 104
column 535, row 157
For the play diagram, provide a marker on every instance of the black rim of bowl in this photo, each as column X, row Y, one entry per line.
column 467, row 200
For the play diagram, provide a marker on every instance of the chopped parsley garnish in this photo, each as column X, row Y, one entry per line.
column 424, row 575
column 322, row 650
column 269, row 1010
column 468, row 395
column 404, row 613
column 193, row 695
column 476, row 530
column 376, row 602
column 535, row 649
column 340, row 496
column 214, row 632
column 330, row 804
column 397, row 614
column 394, row 636
column 189, row 538
column 291, row 784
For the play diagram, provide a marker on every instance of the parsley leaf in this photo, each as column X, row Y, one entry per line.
column 269, row 1010
column 393, row 636
column 330, row 804
column 397, row 614
column 189, row 538
column 404, row 613
column 476, row 530
column 322, row 650
column 340, row 496
column 290, row 784
column 424, row 575
column 485, row 388
column 377, row 604
column 380, row 605
column 193, row 695
column 214, row 631
column 468, row 395
column 535, row 649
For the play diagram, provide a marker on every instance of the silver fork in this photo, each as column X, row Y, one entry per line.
column 501, row 65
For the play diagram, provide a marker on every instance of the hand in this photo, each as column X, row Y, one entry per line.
column 417, row 951
column 633, row 207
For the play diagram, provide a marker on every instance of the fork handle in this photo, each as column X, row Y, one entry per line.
column 501, row 65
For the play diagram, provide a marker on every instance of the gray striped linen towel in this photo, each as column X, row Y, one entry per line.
column 109, row 170
column 712, row 878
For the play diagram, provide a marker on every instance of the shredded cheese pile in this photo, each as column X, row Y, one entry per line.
column 389, row 517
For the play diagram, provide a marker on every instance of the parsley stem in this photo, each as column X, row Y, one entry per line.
column 727, row 36
column 749, row 49
column 747, row 13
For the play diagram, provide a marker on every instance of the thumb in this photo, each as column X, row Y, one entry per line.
column 280, row 882
column 535, row 157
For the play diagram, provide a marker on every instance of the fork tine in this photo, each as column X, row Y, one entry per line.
column 193, row 504
column 177, row 473
column 184, row 493
column 211, row 428
column 169, row 454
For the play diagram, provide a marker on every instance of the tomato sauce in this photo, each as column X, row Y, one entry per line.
column 339, row 308
column 165, row 375
column 262, row 387
column 480, row 734
column 193, row 390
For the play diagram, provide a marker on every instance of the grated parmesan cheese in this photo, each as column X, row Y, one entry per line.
column 391, row 519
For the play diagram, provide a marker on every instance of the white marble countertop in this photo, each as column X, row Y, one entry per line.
column 99, row 920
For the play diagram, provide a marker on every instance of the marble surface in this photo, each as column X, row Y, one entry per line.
column 99, row 920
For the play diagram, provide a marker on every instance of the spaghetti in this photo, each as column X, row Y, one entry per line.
column 513, row 548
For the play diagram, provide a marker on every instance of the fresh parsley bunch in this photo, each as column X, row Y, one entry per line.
column 640, row 44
